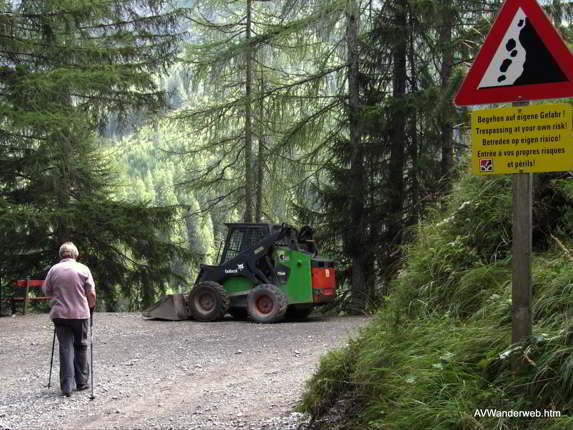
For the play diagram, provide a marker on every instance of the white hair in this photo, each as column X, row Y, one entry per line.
column 69, row 250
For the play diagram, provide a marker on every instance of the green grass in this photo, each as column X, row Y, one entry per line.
column 440, row 349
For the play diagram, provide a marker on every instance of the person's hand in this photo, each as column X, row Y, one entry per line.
column 91, row 296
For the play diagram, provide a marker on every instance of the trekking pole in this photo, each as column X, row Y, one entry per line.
column 52, row 359
column 92, row 350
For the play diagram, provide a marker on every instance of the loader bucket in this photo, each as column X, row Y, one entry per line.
column 170, row 307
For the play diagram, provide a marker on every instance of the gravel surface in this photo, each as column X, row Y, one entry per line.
column 167, row 374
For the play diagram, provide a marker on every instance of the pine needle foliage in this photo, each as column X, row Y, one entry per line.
column 254, row 79
column 65, row 67
column 439, row 354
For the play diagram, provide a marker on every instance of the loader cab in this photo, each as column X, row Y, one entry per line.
column 242, row 236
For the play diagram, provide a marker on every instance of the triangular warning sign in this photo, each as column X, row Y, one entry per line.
column 523, row 58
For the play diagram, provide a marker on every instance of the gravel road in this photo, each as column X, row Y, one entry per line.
column 167, row 375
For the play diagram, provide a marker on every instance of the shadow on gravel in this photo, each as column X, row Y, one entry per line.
column 229, row 319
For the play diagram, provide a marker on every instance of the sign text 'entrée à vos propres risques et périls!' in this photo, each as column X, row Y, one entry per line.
column 523, row 139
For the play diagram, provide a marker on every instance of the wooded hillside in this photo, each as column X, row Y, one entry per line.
column 439, row 355
column 136, row 129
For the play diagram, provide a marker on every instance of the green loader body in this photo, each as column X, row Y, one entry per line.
column 297, row 288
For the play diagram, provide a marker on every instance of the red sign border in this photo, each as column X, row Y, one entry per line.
column 470, row 94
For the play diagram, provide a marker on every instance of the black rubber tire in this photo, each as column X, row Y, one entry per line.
column 240, row 314
column 266, row 303
column 208, row 301
column 298, row 312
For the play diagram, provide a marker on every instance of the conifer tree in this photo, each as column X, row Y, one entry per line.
column 407, row 75
column 252, row 77
column 66, row 65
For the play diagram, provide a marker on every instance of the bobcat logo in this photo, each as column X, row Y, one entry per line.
column 232, row 271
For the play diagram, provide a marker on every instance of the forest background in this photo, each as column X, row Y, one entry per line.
column 137, row 129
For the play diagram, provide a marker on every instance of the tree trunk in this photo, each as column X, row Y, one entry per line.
column 62, row 142
column 414, row 148
column 260, row 158
column 357, row 220
column 249, row 174
column 446, row 52
column 398, row 139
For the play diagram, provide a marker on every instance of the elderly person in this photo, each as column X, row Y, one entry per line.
column 72, row 288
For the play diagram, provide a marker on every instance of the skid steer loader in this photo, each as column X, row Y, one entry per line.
column 266, row 272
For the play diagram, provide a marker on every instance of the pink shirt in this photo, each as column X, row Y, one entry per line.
column 67, row 283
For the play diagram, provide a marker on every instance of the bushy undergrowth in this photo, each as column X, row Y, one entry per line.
column 439, row 353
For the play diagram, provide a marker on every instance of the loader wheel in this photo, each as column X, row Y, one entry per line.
column 266, row 303
column 208, row 301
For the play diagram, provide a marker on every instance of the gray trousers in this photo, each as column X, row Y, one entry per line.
column 73, row 341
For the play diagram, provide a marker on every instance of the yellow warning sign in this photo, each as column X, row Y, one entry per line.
column 522, row 139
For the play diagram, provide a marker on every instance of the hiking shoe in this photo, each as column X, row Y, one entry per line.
column 83, row 387
column 66, row 394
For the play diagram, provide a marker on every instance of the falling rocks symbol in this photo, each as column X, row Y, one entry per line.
column 539, row 66
column 542, row 68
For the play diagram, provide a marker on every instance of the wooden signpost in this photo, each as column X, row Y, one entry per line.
column 523, row 58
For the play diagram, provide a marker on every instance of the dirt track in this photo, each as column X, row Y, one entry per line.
column 166, row 375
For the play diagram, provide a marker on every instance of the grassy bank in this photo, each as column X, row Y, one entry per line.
column 439, row 353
